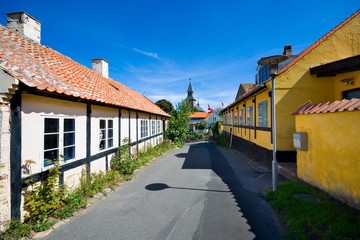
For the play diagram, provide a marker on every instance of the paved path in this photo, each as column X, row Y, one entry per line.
column 200, row 191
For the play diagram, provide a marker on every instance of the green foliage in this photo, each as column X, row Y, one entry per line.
column 222, row 141
column 44, row 199
column 202, row 125
column 179, row 124
column 48, row 200
column 196, row 136
column 215, row 129
column 16, row 230
column 304, row 219
column 45, row 225
column 166, row 106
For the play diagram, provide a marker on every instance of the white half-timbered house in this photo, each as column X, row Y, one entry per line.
column 53, row 107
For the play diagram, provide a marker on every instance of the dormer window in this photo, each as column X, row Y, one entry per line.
column 263, row 74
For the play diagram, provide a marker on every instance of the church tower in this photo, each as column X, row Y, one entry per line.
column 190, row 97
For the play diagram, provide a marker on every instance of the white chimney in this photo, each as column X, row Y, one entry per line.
column 24, row 24
column 101, row 66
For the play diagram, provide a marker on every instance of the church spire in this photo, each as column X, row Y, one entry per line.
column 190, row 97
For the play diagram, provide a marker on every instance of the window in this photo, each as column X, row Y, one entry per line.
column 263, row 114
column 263, row 74
column 106, row 134
column 235, row 120
column 158, row 126
column 153, row 127
column 144, row 130
column 350, row 94
column 241, row 113
column 59, row 139
column 249, row 116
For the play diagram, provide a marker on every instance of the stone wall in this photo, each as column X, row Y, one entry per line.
column 5, row 213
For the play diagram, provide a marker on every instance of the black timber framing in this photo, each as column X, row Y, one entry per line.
column 337, row 67
column 15, row 155
column 74, row 164
column 16, row 180
column 88, row 138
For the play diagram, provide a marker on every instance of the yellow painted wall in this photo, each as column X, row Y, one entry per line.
column 340, row 87
column 332, row 161
column 263, row 138
column 295, row 86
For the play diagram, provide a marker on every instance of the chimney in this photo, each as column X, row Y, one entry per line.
column 24, row 24
column 101, row 66
column 288, row 50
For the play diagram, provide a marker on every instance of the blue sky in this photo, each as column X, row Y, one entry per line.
column 155, row 46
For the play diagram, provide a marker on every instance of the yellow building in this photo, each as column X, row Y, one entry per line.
column 247, row 121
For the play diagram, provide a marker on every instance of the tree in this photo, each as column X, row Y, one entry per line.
column 202, row 125
column 179, row 124
column 166, row 106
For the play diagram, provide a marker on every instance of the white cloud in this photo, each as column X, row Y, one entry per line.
column 149, row 54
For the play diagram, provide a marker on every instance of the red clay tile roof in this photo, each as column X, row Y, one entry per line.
column 300, row 56
column 318, row 42
column 337, row 106
column 199, row 115
column 45, row 69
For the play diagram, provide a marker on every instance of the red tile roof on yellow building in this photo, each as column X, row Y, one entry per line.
column 328, row 107
column 318, row 42
column 299, row 57
column 45, row 69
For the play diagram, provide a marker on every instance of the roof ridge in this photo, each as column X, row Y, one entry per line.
column 46, row 69
column 319, row 41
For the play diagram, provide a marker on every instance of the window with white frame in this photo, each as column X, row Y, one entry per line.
column 158, row 126
column 59, row 139
column 106, row 133
column 144, row 128
column 153, row 127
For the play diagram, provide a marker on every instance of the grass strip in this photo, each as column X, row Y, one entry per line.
column 305, row 219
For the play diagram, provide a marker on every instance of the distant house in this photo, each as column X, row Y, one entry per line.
column 209, row 117
column 317, row 113
column 52, row 106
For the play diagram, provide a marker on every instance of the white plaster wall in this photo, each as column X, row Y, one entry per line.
column 124, row 125
column 97, row 114
column 133, row 127
column 34, row 109
column 72, row 177
column 5, row 202
column 98, row 165
column 103, row 113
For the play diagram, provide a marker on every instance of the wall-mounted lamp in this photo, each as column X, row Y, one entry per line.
column 347, row 81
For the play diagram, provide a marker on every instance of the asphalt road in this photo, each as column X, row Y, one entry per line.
column 200, row 191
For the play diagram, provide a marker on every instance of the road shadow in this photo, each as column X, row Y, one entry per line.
column 252, row 205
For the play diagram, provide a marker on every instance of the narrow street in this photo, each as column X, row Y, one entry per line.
column 200, row 191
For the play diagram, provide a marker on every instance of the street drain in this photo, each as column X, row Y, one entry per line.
column 307, row 197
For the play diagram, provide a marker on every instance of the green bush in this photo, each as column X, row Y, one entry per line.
column 179, row 124
column 16, row 230
column 44, row 199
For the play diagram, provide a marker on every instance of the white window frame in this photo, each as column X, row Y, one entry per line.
column 158, row 126
column 144, row 128
column 153, row 127
column 61, row 140
column 106, row 130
